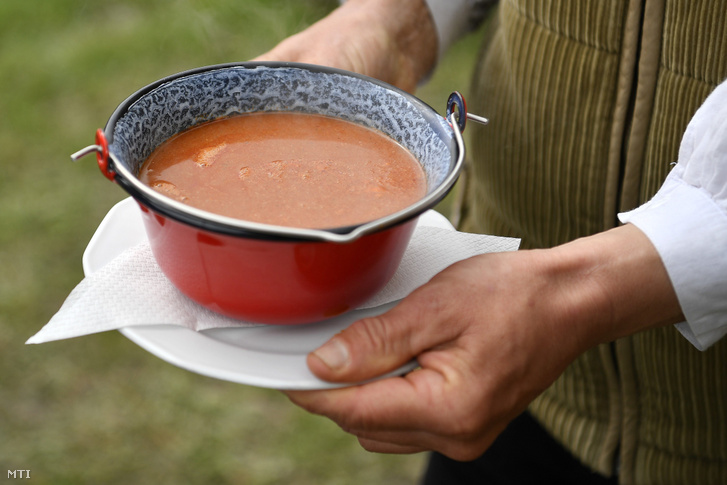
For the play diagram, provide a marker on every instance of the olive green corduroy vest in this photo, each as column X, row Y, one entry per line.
column 588, row 100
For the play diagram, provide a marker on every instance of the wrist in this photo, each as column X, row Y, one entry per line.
column 611, row 285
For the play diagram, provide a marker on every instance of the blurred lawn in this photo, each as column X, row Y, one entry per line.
column 99, row 409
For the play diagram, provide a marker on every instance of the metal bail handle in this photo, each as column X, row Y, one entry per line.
column 457, row 105
column 102, row 154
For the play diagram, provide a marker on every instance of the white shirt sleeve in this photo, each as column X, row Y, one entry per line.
column 687, row 223
column 455, row 18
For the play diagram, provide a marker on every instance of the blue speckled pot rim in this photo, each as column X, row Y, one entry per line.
column 127, row 179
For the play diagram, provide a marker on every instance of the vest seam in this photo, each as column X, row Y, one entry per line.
column 647, row 78
column 623, row 110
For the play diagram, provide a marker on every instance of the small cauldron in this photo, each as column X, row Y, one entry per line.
column 259, row 272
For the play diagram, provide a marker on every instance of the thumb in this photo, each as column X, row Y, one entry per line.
column 376, row 345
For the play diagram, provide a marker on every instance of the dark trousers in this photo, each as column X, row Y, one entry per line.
column 523, row 454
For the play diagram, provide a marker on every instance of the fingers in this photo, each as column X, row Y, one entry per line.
column 397, row 403
column 416, row 442
column 395, row 416
column 384, row 447
column 376, row 345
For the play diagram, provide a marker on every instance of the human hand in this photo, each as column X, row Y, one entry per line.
column 391, row 41
column 490, row 333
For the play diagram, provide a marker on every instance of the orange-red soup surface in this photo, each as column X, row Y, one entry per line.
column 287, row 169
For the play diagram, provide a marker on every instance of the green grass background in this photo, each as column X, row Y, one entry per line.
column 99, row 409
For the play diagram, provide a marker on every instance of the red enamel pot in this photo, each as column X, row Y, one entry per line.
column 259, row 272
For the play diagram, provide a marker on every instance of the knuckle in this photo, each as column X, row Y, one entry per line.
column 381, row 341
column 373, row 332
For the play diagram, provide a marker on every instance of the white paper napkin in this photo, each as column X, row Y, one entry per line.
column 131, row 289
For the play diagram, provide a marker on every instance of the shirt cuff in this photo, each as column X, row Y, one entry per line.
column 689, row 230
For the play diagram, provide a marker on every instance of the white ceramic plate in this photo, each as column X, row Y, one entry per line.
column 271, row 356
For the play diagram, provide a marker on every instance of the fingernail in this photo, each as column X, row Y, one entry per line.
column 333, row 353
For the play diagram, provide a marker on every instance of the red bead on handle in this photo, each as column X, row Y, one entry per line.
column 102, row 155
